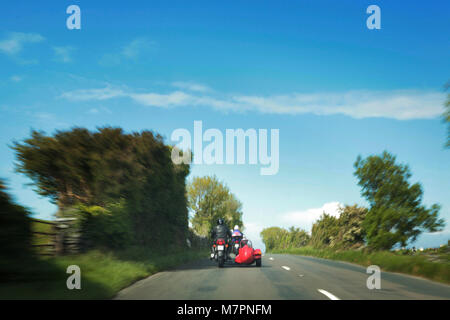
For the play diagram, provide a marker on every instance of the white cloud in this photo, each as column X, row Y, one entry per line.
column 305, row 219
column 102, row 110
column 63, row 54
column 93, row 94
column 191, row 86
column 400, row 105
column 137, row 47
column 16, row 78
column 397, row 104
column 173, row 99
column 15, row 42
column 132, row 51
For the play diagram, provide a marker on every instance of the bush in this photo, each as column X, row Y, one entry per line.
column 279, row 238
column 15, row 234
column 95, row 168
column 324, row 231
column 109, row 227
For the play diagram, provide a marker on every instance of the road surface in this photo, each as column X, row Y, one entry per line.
column 280, row 277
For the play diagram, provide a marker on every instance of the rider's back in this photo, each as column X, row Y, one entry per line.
column 221, row 231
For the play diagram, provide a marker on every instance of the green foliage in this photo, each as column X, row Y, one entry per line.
column 351, row 232
column 396, row 214
column 15, row 227
column 15, row 235
column 278, row 238
column 109, row 227
column 209, row 199
column 98, row 168
column 324, row 231
column 418, row 265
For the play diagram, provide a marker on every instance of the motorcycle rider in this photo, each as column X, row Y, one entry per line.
column 236, row 235
column 220, row 231
column 237, row 232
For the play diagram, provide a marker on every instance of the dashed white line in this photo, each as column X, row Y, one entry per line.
column 286, row 268
column 329, row 295
column 271, row 258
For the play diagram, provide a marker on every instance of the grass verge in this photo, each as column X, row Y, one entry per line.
column 103, row 274
column 388, row 261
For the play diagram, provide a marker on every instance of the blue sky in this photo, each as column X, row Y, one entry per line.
column 311, row 69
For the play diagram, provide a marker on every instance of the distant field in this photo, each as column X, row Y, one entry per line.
column 431, row 264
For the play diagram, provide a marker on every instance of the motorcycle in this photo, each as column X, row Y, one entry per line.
column 220, row 251
column 235, row 242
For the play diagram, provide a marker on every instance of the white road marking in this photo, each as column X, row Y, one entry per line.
column 270, row 258
column 329, row 295
column 286, row 268
column 300, row 275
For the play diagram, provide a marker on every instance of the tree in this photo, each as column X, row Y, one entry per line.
column 324, row 231
column 280, row 238
column 209, row 199
column 272, row 237
column 396, row 214
column 100, row 168
column 297, row 238
column 350, row 222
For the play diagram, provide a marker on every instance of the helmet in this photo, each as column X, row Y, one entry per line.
column 236, row 227
column 220, row 221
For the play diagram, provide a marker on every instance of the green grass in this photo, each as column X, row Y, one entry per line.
column 103, row 274
column 418, row 265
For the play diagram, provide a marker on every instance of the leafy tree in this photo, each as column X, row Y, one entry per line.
column 296, row 238
column 209, row 199
column 279, row 238
column 350, row 222
column 324, row 231
column 396, row 214
column 108, row 227
column 101, row 167
column 272, row 237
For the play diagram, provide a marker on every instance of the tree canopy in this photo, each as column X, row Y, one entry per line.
column 209, row 199
column 105, row 166
column 280, row 238
column 396, row 213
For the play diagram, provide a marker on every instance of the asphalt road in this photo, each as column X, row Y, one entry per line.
column 280, row 277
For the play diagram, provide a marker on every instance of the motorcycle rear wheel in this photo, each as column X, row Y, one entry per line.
column 221, row 261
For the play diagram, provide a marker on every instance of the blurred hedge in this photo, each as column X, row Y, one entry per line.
column 15, row 235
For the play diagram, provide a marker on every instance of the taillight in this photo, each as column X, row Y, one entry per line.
column 220, row 241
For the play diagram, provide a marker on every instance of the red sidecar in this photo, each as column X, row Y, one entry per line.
column 248, row 255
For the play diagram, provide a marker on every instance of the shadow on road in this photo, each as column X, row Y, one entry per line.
column 211, row 264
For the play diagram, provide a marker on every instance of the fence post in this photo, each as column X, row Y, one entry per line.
column 66, row 236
